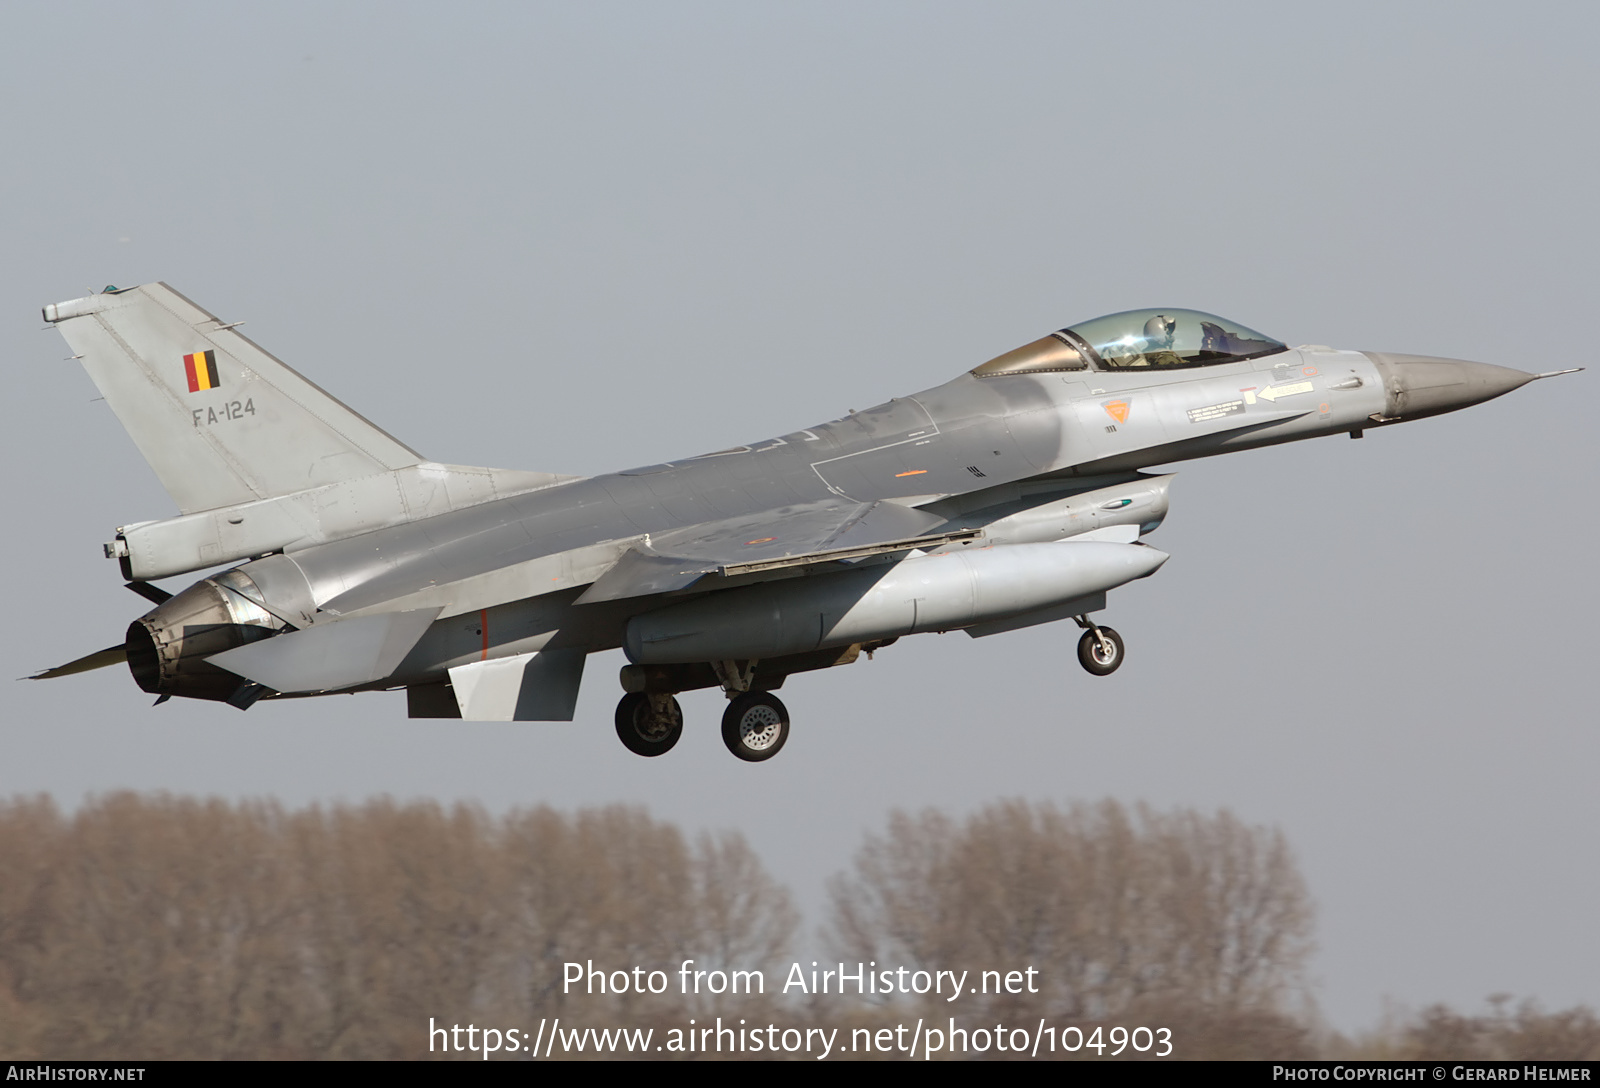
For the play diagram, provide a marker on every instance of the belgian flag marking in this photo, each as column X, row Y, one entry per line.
column 201, row 370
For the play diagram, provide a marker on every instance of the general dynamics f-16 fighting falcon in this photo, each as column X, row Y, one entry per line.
column 1007, row 497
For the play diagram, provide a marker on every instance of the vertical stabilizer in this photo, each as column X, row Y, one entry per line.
column 220, row 420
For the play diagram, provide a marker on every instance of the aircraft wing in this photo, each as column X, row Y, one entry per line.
column 834, row 530
column 807, row 534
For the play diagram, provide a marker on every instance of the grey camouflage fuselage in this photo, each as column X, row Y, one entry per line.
column 1008, row 496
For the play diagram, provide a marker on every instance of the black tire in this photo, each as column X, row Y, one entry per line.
column 755, row 726
column 1094, row 659
column 639, row 730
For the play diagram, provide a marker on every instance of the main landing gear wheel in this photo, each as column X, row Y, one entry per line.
column 1100, row 651
column 646, row 729
column 755, row 726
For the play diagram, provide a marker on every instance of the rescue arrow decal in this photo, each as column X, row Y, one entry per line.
column 1273, row 392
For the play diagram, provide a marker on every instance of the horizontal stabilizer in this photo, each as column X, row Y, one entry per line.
column 153, row 594
column 111, row 655
column 330, row 656
column 537, row 687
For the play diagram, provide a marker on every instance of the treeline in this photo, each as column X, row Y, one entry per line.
column 159, row 927
column 162, row 928
column 1197, row 923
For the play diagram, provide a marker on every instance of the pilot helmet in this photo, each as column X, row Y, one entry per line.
column 1158, row 331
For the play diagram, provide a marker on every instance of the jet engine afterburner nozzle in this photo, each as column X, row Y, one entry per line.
column 1422, row 385
column 167, row 647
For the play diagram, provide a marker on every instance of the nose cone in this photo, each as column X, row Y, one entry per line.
column 1421, row 385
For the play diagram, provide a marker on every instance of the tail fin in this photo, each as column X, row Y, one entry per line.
column 220, row 420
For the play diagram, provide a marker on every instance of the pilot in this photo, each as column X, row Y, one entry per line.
column 1158, row 342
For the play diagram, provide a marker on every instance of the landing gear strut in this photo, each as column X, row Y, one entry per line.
column 649, row 724
column 1100, row 649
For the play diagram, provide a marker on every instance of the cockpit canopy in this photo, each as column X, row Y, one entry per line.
column 1168, row 339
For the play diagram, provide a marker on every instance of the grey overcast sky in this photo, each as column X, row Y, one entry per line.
column 578, row 237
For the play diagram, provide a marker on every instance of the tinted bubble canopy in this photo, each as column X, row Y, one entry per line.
column 1164, row 338
column 1170, row 338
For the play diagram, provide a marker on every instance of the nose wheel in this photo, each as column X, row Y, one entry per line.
column 755, row 726
column 1100, row 649
column 649, row 725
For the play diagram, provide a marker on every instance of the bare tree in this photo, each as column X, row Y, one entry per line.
column 1115, row 909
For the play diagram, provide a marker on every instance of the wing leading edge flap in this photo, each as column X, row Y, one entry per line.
column 806, row 534
column 330, row 656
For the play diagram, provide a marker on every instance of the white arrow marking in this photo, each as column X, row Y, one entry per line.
column 1273, row 392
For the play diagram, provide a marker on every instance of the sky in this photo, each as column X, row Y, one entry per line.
column 579, row 237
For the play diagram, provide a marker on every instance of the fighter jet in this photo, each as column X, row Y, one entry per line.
column 1012, row 495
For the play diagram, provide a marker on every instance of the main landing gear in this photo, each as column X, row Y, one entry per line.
column 754, row 727
column 649, row 725
column 1100, row 649
column 756, row 723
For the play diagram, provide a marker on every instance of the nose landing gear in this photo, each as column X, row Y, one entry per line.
column 1100, row 649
